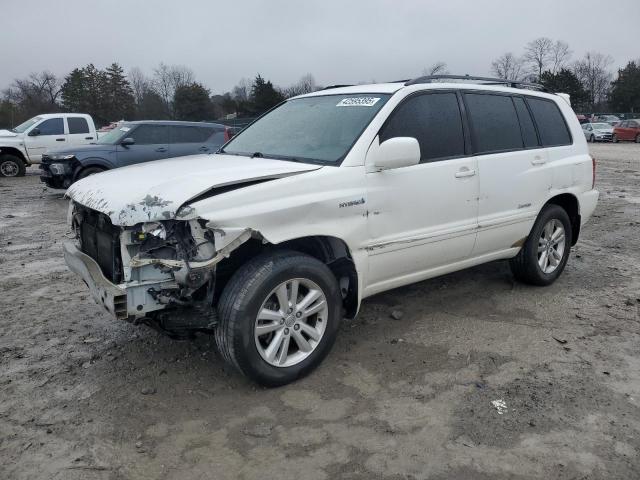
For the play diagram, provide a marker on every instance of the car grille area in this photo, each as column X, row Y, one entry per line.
column 101, row 241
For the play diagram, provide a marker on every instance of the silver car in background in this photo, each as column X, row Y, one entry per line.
column 597, row 132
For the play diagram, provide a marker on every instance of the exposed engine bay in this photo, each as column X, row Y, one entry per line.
column 159, row 265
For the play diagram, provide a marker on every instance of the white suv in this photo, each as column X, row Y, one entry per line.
column 330, row 198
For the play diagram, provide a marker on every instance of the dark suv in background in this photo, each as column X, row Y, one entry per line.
column 131, row 142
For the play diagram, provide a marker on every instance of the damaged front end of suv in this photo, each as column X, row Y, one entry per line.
column 140, row 273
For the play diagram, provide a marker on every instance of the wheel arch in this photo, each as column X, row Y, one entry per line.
column 14, row 151
column 332, row 251
column 570, row 204
column 90, row 163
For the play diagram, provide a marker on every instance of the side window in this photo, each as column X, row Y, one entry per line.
column 529, row 136
column 183, row 134
column 494, row 122
column 150, row 134
column 551, row 125
column 77, row 125
column 633, row 124
column 434, row 120
column 52, row 126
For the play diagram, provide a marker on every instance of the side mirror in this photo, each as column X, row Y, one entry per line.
column 397, row 153
column 34, row 132
column 125, row 142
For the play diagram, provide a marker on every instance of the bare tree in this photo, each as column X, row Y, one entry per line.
column 560, row 56
column 306, row 84
column 538, row 54
column 508, row 66
column 438, row 68
column 595, row 76
column 167, row 79
column 38, row 93
column 140, row 84
column 242, row 90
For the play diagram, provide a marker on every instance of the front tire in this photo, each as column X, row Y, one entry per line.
column 546, row 251
column 592, row 139
column 278, row 317
column 12, row 166
column 88, row 172
column 615, row 138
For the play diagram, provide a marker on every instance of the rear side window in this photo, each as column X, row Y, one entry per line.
column 77, row 125
column 633, row 124
column 434, row 120
column 494, row 122
column 150, row 134
column 191, row 134
column 528, row 129
column 53, row 126
column 551, row 125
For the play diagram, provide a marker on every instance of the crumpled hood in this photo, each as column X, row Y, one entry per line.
column 156, row 190
column 7, row 133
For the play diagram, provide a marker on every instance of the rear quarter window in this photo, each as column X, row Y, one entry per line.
column 551, row 125
column 494, row 122
column 189, row 134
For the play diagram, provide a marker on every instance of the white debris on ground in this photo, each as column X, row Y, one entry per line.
column 500, row 405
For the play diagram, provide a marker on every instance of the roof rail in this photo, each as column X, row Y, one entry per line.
column 329, row 87
column 484, row 80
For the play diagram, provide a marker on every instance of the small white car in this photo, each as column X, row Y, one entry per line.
column 24, row 145
column 597, row 132
column 328, row 199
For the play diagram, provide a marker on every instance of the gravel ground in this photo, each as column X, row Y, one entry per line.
column 480, row 378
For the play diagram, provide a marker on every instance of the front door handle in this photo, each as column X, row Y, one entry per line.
column 538, row 161
column 161, row 149
column 88, row 138
column 59, row 139
column 465, row 172
column 204, row 149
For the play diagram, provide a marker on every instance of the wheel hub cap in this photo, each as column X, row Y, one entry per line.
column 551, row 246
column 291, row 322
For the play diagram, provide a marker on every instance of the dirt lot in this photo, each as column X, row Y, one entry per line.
column 481, row 378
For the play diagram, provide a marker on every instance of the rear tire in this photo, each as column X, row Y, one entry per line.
column 547, row 247
column 12, row 166
column 256, row 336
column 637, row 138
column 88, row 172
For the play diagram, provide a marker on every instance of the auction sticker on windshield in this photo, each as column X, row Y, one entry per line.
column 358, row 102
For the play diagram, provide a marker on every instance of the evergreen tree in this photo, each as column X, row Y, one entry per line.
column 263, row 95
column 192, row 102
column 84, row 92
column 625, row 92
column 565, row 82
column 118, row 97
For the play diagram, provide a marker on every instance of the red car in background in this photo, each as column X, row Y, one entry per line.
column 627, row 130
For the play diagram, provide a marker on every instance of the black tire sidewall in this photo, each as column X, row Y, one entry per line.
column 245, row 309
column 13, row 159
column 548, row 213
column 87, row 172
column 592, row 139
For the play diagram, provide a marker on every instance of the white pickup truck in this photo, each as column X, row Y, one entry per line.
column 24, row 145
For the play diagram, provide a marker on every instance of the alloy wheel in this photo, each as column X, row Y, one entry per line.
column 291, row 322
column 551, row 245
column 9, row 168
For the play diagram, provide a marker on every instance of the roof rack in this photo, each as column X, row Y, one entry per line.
column 484, row 80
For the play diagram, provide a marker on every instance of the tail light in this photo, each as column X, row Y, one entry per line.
column 593, row 169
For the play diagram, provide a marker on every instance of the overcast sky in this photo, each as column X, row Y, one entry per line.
column 337, row 41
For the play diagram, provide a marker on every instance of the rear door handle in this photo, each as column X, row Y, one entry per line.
column 161, row 149
column 538, row 161
column 204, row 149
column 465, row 172
column 88, row 138
column 59, row 139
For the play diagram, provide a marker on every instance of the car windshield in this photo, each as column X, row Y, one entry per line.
column 598, row 126
column 112, row 136
column 24, row 126
column 318, row 129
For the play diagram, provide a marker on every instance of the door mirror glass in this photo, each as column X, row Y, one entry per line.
column 34, row 132
column 127, row 141
column 397, row 152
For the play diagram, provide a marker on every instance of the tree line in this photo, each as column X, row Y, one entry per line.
column 110, row 94
column 589, row 80
column 172, row 91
